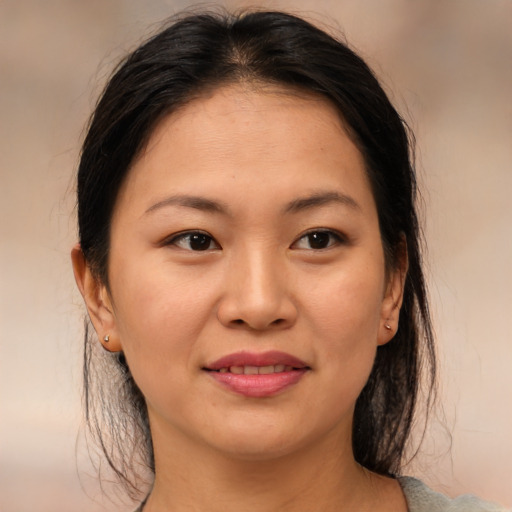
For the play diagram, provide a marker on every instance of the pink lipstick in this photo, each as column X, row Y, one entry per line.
column 257, row 375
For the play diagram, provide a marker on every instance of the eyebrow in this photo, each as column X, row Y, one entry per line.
column 321, row 199
column 297, row 205
column 195, row 202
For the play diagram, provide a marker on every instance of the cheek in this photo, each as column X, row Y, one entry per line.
column 159, row 316
column 158, row 324
column 348, row 301
column 345, row 318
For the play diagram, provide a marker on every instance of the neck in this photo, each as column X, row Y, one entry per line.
column 316, row 478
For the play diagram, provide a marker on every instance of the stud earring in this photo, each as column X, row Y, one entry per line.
column 388, row 327
column 106, row 338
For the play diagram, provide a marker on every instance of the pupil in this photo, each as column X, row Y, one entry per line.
column 319, row 240
column 199, row 242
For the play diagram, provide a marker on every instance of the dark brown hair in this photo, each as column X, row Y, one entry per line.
column 197, row 52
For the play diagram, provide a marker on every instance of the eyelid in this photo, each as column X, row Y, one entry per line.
column 339, row 237
column 175, row 237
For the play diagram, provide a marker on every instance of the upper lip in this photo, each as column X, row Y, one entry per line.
column 269, row 358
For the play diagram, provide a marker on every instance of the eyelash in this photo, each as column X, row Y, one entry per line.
column 334, row 238
column 206, row 241
column 188, row 235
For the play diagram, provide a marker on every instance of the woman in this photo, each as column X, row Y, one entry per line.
column 249, row 257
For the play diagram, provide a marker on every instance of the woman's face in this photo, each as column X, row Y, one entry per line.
column 247, row 276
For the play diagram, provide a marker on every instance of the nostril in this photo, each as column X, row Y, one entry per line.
column 277, row 322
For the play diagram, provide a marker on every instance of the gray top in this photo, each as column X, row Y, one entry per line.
column 421, row 498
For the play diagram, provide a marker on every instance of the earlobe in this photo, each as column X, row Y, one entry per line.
column 97, row 301
column 393, row 298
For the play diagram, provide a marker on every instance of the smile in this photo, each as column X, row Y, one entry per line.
column 257, row 375
column 256, row 370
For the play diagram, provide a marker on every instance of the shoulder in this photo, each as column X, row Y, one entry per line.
column 421, row 498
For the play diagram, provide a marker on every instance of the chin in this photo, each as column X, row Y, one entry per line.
column 258, row 450
column 262, row 442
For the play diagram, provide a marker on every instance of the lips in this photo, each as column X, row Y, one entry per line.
column 243, row 359
column 256, row 370
column 257, row 375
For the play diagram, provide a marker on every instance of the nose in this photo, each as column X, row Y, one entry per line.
column 257, row 294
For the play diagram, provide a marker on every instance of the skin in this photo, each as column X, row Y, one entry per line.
column 260, row 285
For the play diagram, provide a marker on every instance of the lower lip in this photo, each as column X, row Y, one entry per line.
column 259, row 386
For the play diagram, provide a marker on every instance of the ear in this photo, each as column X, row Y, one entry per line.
column 393, row 297
column 98, row 301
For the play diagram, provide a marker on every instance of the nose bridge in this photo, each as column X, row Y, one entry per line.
column 261, row 271
column 258, row 293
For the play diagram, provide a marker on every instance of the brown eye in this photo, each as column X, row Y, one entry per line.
column 199, row 242
column 194, row 241
column 318, row 240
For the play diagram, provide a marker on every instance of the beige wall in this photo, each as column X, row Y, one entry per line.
column 448, row 61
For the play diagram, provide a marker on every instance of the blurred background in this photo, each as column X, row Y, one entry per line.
column 447, row 65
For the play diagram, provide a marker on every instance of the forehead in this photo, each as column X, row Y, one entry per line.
column 250, row 110
column 245, row 131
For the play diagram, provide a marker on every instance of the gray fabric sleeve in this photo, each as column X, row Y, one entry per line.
column 421, row 498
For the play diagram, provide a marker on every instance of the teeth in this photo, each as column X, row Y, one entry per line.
column 257, row 370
